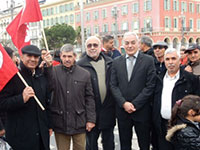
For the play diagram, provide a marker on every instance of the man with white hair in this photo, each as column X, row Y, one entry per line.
column 171, row 86
column 99, row 66
column 132, row 84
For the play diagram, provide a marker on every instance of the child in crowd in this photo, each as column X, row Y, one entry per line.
column 184, row 130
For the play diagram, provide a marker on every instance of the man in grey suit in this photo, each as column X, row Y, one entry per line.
column 132, row 84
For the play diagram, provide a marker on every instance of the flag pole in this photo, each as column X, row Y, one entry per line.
column 37, row 100
column 44, row 36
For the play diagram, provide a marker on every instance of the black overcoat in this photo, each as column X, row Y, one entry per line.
column 26, row 122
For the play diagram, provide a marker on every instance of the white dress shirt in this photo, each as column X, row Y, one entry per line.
column 166, row 98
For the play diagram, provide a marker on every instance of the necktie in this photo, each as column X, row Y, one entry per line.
column 129, row 67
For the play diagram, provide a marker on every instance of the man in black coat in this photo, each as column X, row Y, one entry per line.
column 171, row 86
column 27, row 125
column 99, row 66
column 132, row 84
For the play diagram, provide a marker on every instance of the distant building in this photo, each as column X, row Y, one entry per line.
column 172, row 21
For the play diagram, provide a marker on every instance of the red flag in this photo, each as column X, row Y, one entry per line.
column 18, row 28
column 7, row 68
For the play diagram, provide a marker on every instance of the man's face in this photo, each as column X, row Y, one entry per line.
column 159, row 51
column 43, row 52
column 131, row 44
column 109, row 45
column 194, row 55
column 68, row 58
column 172, row 62
column 182, row 53
column 93, row 48
column 142, row 45
column 30, row 61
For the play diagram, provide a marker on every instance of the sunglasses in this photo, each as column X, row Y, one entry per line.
column 94, row 45
column 159, row 47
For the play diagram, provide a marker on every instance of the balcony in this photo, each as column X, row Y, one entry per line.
column 146, row 30
column 185, row 29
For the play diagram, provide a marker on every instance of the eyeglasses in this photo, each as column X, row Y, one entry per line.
column 93, row 44
column 158, row 46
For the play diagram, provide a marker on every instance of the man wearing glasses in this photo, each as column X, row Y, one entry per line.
column 132, row 84
column 159, row 50
column 99, row 65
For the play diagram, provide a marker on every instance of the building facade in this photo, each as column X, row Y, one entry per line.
column 173, row 21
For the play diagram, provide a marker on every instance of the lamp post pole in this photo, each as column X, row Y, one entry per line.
column 82, row 27
column 115, row 15
column 182, row 30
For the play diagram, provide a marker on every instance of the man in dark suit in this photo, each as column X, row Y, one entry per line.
column 132, row 84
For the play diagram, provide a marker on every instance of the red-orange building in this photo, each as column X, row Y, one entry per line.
column 173, row 21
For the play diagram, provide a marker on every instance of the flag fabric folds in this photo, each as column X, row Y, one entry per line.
column 18, row 29
column 7, row 68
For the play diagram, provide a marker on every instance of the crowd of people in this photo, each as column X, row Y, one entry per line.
column 153, row 88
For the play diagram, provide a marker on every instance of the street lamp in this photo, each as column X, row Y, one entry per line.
column 183, row 28
column 115, row 11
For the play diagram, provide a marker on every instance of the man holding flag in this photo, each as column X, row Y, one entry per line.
column 27, row 125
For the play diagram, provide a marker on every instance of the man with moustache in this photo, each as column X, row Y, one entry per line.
column 27, row 126
column 171, row 85
column 72, row 107
column 193, row 54
column 132, row 84
column 99, row 66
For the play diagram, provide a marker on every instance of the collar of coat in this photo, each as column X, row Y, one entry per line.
column 85, row 61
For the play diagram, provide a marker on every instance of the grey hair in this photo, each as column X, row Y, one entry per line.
column 146, row 40
column 67, row 48
column 93, row 37
column 130, row 33
column 171, row 50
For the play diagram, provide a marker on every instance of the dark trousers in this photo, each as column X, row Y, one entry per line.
column 142, row 130
column 107, row 139
column 163, row 144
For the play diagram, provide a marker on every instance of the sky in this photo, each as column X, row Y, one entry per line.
column 4, row 3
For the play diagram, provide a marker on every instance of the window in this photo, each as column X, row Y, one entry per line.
column 49, row 11
column 96, row 15
column 183, row 7
column 88, row 31
column 125, row 26
column 87, row 16
column 66, row 19
column 191, row 23
column 44, row 23
column 166, row 4
column 135, row 25
column 175, row 5
column 191, row 7
column 148, row 23
column 71, row 18
column 135, row 8
column 52, row 23
column 104, row 13
column 67, row 7
column 175, row 23
column 71, row 6
column 114, row 27
column 147, row 5
column 198, row 8
column 61, row 19
column 198, row 24
column 124, row 9
column 52, row 12
column 105, row 28
column 167, row 22
column 78, row 18
column 96, row 29
column 61, row 8
column 47, row 22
